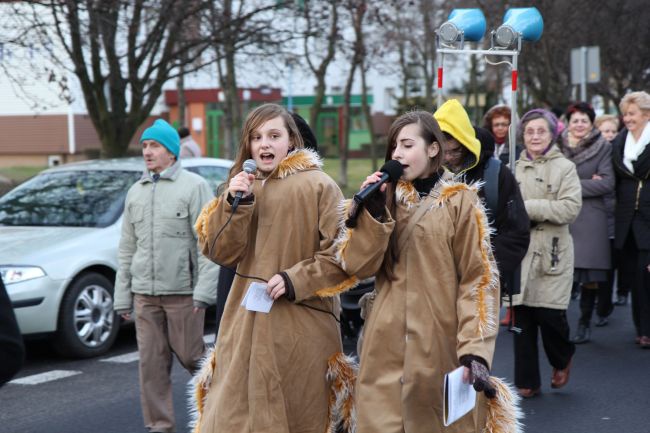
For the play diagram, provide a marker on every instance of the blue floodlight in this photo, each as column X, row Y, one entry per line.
column 465, row 24
column 524, row 23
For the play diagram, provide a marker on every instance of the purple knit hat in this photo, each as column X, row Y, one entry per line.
column 538, row 113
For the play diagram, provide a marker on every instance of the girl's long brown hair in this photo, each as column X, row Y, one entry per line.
column 431, row 133
column 255, row 119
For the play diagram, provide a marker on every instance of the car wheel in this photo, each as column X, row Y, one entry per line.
column 87, row 325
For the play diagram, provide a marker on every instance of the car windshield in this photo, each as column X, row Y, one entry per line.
column 68, row 198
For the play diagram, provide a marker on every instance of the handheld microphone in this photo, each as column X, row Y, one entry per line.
column 249, row 167
column 391, row 172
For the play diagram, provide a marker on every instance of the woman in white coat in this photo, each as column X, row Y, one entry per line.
column 552, row 195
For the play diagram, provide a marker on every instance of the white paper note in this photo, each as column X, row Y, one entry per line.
column 458, row 397
column 256, row 298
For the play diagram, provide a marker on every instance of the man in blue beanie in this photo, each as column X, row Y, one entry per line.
column 162, row 276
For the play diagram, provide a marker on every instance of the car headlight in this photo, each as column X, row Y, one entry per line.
column 18, row 274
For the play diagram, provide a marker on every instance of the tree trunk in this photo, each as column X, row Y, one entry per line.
column 344, row 145
column 233, row 102
column 368, row 116
column 320, row 71
column 180, row 87
column 429, row 54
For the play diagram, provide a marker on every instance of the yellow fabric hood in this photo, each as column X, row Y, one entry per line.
column 453, row 119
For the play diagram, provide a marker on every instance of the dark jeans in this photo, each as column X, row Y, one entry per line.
column 559, row 349
column 226, row 276
column 634, row 263
column 624, row 280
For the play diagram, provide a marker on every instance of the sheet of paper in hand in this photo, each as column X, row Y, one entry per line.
column 459, row 398
column 256, row 298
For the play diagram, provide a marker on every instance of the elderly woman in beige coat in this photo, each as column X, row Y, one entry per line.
column 436, row 304
column 552, row 194
column 281, row 371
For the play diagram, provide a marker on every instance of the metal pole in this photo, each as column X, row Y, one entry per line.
column 512, row 145
column 290, row 88
column 439, row 77
column 583, row 74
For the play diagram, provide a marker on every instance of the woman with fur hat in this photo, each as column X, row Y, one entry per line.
column 281, row 371
column 583, row 144
column 426, row 238
column 552, row 195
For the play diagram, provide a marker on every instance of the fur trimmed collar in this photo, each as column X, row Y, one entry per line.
column 448, row 185
column 296, row 161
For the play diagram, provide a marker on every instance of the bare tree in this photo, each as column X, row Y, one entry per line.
column 625, row 57
column 122, row 53
column 320, row 35
column 242, row 31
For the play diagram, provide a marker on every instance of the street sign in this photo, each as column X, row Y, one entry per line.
column 585, row 65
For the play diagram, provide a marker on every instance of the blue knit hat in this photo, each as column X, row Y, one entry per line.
column 165, row 134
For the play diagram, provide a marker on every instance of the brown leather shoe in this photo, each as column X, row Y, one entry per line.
column 561, row 377
column 528, row 392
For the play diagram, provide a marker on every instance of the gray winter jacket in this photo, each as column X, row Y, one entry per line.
column 590, row 230
column 158, row 253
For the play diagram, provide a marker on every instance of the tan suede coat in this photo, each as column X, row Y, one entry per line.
column 268, row 371
column 443, row 304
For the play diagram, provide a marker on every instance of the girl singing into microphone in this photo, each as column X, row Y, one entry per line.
column 436, row 293
column 281, row 371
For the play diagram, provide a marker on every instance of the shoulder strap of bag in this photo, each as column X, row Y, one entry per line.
column 425, row 204
column 491, row 187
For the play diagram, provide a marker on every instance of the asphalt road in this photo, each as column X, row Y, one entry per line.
column 609, row 389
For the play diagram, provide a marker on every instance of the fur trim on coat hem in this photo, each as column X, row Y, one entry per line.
column 342, row 372
column 198, row 388
column 504, row 414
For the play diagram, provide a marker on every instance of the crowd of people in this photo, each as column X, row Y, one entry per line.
column 453, row 236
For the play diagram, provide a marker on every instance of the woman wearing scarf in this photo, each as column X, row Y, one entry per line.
column 584, row 145
column 631, row 157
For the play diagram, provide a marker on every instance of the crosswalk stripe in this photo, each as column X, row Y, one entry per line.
column 134, row 356
column 48, row 376
column 122, row 359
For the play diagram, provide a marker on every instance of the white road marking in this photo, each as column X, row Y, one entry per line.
column 134, row 356
column 48, row 376
column 122, row 359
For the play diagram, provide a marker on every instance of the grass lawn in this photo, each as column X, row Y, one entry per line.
column 358, row 170
column 19, row 174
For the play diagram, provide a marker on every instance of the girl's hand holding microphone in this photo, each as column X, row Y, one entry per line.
column 373, row 178
column 242, row 182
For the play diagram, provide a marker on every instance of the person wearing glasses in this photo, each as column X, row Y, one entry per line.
column 499, row 192
column 552, row 195
column 497, row 121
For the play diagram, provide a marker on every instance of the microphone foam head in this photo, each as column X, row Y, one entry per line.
column 250, row 166
column 393, row 169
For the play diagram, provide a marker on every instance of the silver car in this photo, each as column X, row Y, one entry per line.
column 60, row 232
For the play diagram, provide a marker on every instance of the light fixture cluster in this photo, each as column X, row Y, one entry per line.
column 469, row 25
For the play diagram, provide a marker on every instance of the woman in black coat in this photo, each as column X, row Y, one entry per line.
column 631, row 158
column 508, row 216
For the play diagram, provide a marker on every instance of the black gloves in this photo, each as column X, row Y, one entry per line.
column 479, row 375
column 376, row 205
